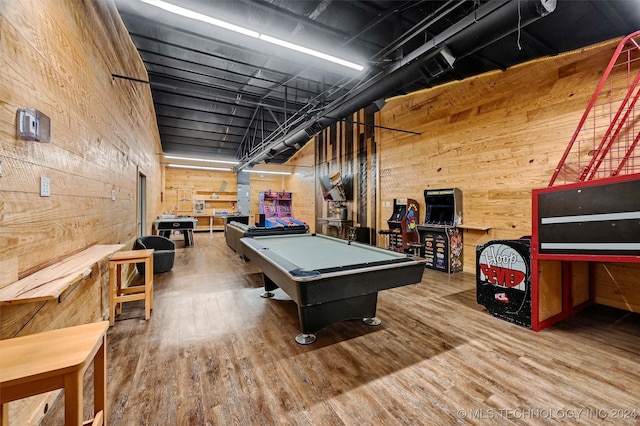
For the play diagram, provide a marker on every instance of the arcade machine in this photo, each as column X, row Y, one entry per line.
column 275, row 211
column 503, row 279
column 402, row 224
column 441, row 240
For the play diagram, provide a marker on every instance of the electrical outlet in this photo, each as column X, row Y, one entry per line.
column 45, row 187
column 113, row 194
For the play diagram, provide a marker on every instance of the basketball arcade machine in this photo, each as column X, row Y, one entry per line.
column 590, row 210
column 503, row 279
column 276, row 210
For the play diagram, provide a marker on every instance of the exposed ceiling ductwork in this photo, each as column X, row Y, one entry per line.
column 488, row 23
column 223, row 95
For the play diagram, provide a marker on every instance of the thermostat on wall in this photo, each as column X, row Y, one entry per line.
column 33, row 125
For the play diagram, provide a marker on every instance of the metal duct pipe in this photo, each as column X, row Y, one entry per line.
column 492, row 21
column 504, row 21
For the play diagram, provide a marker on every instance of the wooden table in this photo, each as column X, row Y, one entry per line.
column 57, row 359
column 119, row 294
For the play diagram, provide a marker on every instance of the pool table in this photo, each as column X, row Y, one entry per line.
column 330, row 279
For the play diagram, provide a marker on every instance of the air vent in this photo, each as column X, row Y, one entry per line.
column 440, row 63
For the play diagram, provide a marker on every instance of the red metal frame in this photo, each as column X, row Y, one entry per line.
column 567, row 302
column 605, row 139
column 601, row 151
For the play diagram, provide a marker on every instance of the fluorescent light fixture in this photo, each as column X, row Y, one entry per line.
column 311, row 52
column 200, row 17
column 266, row 172
column 186, row 166
column 218, row 23
column 172, row 157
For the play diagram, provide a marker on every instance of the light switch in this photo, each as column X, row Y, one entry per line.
column 45, row 187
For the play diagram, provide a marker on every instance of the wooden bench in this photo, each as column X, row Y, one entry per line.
column 50, row 282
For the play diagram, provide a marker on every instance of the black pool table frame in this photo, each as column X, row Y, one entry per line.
column 235, row 231
column 331, row 295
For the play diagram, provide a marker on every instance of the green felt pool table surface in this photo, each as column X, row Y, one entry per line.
column 316, row 252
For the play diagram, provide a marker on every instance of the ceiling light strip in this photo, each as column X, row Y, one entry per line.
column 218, row 23
column 311, row 52
column 186, row 166
column 206, row 160
column 200, row 17
column 266, row 172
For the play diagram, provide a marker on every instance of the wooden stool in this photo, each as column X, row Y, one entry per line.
column 57, row 359
column 119, row 294
column 388, row 237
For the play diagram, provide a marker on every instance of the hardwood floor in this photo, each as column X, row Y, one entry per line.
column 215, row 353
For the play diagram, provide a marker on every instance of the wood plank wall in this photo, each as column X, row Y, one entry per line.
column 496, row 137
column 349, row 148
column 58, row 57
column 201, row 182
column 206, row 182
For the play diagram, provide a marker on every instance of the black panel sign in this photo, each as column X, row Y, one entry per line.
column 598, row 219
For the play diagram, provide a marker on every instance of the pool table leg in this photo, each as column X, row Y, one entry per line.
column 305, row 339
column 317, row 316
column 372, row 321
column 269, row 286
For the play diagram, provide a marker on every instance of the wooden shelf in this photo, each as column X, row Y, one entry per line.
column 215, row 192
column 218, row 201
column 474, row 228
column 207, row 218
column 49, row 283
column 206, row 195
